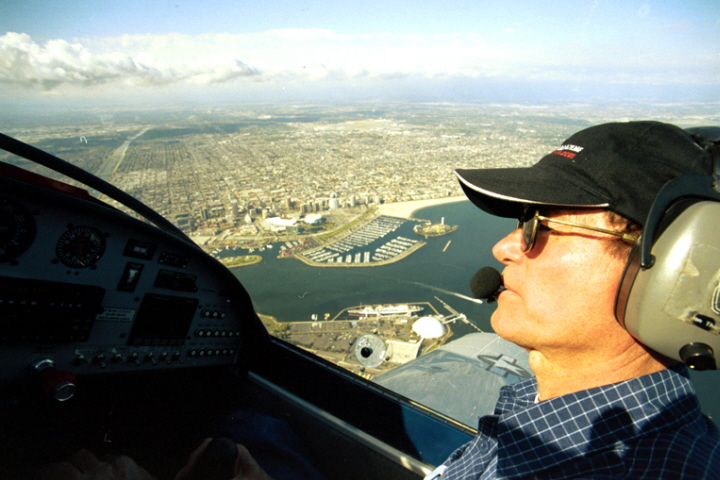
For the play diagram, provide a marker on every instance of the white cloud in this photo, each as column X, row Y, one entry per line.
column 58, row 63
column 303, row 57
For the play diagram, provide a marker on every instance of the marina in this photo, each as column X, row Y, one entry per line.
column 365, row 246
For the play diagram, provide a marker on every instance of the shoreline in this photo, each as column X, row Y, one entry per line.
column 405, row 210
column 408, row 209
column 240, row 260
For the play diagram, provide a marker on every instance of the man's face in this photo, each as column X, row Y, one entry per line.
column 560, row 295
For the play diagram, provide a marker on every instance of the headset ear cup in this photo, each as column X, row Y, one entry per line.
column 671, row 306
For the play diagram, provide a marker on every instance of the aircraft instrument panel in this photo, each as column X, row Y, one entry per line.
column 86, row 290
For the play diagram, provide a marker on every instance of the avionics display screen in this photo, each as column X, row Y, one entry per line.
column 163, row 320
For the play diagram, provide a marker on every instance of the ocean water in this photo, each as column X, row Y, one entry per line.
column 291, row 291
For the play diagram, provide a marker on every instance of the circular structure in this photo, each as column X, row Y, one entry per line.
column 370, row 350
column 80, row 246
column 429, row 327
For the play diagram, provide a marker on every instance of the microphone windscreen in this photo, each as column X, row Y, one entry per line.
column 485, row 283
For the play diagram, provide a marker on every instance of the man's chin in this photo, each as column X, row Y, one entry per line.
column 505, row 325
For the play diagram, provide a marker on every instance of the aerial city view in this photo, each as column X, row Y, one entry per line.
column 329, row 186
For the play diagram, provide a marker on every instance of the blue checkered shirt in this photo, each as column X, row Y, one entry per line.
column 648, row 427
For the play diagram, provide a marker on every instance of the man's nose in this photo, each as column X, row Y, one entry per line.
column 510, row 248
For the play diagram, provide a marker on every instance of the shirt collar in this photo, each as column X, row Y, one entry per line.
column 534, row 437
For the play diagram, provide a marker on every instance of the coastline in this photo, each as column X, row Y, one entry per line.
column 408, row 209
column 240, row 260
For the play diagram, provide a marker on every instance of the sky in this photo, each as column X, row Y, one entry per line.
column 92, row 51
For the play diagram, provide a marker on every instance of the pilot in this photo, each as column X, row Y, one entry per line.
column 601, row 404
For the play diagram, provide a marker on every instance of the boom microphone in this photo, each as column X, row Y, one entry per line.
column 486, row 283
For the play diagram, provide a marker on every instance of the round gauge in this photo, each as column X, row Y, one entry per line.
column 17, row 229
column 80, row 246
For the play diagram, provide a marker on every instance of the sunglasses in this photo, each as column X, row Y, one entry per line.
column 531, row 226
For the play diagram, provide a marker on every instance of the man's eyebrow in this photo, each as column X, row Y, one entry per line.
column 553, row 211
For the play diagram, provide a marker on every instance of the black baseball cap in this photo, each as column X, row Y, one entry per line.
column 619, row 166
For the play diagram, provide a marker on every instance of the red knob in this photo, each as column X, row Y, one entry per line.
column 57, row 384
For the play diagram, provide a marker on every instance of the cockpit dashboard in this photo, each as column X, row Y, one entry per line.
column 87, row 289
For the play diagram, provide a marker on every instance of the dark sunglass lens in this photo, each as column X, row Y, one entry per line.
column 529, row 228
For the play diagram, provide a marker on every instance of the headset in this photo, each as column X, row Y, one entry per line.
column 669, row 294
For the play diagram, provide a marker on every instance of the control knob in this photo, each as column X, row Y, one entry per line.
column 57, row 384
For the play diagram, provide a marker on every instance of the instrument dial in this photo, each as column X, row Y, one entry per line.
column 80, row 246
column 17, row 229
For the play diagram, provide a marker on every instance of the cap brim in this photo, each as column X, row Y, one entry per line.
column 506, row 191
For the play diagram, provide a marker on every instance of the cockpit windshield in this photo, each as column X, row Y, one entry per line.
column 310, row 148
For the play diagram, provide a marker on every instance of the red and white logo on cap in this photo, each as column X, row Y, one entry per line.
column 568, row 150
